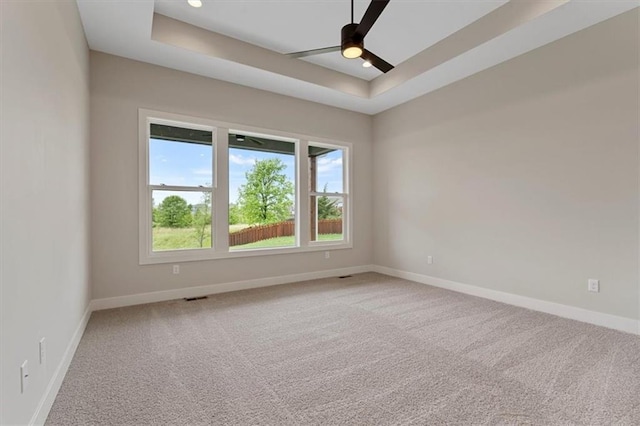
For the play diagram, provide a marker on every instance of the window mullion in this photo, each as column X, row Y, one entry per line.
column 144, row 193
column 221, row 191
column 347, row 215
column 302, row 185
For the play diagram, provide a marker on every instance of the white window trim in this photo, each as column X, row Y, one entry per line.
column 346, row 196
column 220, row 192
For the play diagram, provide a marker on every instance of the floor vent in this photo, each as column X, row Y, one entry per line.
column 191, row 299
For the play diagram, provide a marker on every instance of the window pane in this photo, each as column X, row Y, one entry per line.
column 326, row 218
column 181, row 220
column 261, row 192
column 180, row 156
column 326, row 169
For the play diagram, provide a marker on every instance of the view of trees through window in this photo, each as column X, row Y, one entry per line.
column 261, row 192
column 180, row 175
column 261, row 178
column 178, row 224
column 326, row 185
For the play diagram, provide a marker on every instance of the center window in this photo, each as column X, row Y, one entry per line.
column 262, row 189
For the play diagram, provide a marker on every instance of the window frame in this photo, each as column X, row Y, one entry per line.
column 145, row 193
column 345, row 194
column 220, row 191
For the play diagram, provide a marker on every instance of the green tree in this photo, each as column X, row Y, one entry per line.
column 202, row 219
column 154, row 213
column 327, row 208
column 174, row 212
column 235, row 215
column 154, row 217
column 267, row 195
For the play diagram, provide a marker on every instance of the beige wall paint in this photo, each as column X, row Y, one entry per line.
column 118, row 88
column 45, row 209
column 523, row 178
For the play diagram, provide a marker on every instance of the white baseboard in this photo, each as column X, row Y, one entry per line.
column 628, row 325
column 597, row 318
column 161, row 296
column 44, row 406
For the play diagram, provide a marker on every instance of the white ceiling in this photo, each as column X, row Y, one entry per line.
column 406, row 35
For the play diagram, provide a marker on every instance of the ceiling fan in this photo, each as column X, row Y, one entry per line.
column 353, row 34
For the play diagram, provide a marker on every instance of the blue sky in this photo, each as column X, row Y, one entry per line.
column 189, row 164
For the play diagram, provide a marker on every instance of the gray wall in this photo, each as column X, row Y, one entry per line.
column 44, row 197
column 523, row 178
column 118, row 88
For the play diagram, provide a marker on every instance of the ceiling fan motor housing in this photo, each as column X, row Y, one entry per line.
column 350, row 38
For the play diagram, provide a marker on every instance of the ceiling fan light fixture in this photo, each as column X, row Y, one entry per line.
column 352, row 52
column 352, row 45
column 195, row 3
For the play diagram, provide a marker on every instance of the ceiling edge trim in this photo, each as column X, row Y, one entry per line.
column 186, row 36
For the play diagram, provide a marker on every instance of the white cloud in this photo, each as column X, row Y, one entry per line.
column 326, row 165
column 241, row 160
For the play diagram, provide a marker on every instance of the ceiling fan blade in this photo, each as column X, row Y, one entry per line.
column 313, row 52
column 376, row 61
column 370, row 16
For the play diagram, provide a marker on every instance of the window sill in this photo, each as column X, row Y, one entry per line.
column 196, row 255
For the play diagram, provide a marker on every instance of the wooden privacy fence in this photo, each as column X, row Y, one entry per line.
column 281, row 229
column 330, row 226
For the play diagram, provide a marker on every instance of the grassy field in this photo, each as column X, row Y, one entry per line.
column 179, row 238
column 186, row 238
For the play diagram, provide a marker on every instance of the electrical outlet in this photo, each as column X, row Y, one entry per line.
column 24, row 376
column 43, row 353
column 176, row 269
column 327, row 254
column 430, row 260
column 593, row 285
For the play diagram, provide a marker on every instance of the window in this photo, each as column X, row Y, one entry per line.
column 326, row 190
column 212, row 190
column 261, row 191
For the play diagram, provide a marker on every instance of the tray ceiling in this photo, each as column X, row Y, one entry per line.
column 431, row 43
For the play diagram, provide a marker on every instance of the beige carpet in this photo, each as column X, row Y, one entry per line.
column 363, row 350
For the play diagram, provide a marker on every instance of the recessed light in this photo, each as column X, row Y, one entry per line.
column 195, row 3
column 366, row 64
